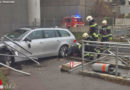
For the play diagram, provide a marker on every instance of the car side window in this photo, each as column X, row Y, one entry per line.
column 50, row 33
column 36, row 35
column 64, row 33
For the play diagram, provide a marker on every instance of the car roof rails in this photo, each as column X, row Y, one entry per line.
column 32, row 27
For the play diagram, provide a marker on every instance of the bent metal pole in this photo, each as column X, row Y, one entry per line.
column 15, row 69
column 22, row 53
column 17, row 44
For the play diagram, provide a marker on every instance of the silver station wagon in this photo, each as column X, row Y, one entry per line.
column 40, row 42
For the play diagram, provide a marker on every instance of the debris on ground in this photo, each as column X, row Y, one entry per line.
column 70, row 65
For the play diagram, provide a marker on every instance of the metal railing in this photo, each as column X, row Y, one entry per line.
column 26, row 56
column 117, row 51
column 14, row 49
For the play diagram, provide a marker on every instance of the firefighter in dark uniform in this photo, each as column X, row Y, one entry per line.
column 88, row 47
column 105, row 33
column 93, row 28
column 93, row 32
column 76, row 49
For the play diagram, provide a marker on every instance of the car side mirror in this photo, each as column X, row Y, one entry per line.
column 27, row 39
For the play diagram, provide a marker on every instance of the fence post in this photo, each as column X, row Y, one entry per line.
column 116, row 60
column 83, row 55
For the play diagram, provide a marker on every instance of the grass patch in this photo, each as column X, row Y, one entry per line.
column 78, row 35
column 4, row 80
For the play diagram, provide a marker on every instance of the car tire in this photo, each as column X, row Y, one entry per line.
column 8, row 60
column 63, row 51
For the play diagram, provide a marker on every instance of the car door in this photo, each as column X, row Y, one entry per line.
column 51, row 42
column 34, row 42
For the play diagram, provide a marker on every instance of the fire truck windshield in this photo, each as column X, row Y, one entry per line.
column 68, row 20
column 79, row 20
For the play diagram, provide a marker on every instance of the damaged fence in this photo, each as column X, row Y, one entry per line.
column 3, row 39
column 119, row 51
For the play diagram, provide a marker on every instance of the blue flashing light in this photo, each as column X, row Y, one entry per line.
column 77, row 16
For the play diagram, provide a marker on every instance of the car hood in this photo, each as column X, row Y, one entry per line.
column 8, row 42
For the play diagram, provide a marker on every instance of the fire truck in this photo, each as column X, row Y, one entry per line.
column 73, row 21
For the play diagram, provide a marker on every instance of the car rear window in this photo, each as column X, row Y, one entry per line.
column 64, row 33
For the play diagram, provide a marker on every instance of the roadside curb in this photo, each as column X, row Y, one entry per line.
column 107, row 77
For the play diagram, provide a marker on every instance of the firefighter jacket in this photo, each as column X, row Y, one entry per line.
column 74, row 49
column 93, row 31
column 105, row 33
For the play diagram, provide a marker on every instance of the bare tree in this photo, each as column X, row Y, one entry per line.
column 101, row 9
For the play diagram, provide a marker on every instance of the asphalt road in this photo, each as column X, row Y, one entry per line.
column 49, row 77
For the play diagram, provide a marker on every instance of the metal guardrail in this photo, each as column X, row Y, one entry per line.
column 16, row 44
column 117, row 54
column 30, row 58
column 24, row 55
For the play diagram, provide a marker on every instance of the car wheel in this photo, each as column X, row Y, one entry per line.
column 63, row 51
column 8, row 60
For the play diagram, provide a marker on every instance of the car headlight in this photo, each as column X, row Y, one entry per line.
column 16, row 53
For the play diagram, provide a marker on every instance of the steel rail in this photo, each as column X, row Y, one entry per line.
column 17, row 44
column 22, row 53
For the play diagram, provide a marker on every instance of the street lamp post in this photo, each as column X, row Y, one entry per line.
column 114, row 13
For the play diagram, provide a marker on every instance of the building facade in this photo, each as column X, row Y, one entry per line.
column 45, row 13
column 18, row 13
column 13, row 14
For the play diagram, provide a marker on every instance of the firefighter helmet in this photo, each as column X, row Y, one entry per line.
column 89, row 18
column 85, row 35
column 104, row 22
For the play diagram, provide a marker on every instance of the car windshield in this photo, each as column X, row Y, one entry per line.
column 17, row 34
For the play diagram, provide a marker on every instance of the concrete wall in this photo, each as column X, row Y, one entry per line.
column 16, row 15
column 13, row 15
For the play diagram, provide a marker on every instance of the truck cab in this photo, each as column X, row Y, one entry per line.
column 73, row 21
